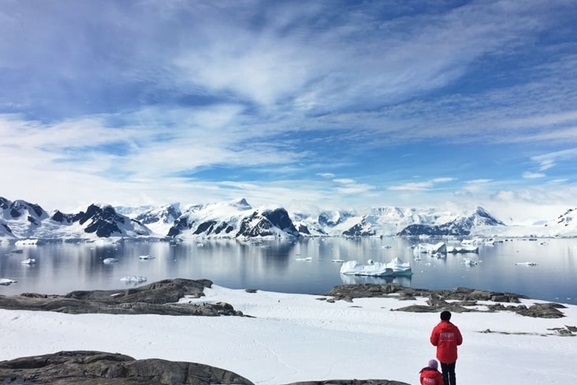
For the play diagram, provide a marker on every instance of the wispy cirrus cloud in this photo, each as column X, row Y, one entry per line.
column 533, row 175
column 205, row 95
column 421, row 186
column 549, row 160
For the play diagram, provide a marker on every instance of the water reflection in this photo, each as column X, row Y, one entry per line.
column 308, row 266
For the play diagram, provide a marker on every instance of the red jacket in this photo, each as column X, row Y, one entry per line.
column 431, row 376
column 446, row 337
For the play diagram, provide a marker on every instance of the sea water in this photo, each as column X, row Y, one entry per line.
column 309, row 266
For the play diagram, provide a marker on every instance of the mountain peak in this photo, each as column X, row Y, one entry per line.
column 242, row 204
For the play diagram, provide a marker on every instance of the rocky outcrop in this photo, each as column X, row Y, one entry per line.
column 350, row 382
column 458, row 300
column 156, row 298
column 99, row 368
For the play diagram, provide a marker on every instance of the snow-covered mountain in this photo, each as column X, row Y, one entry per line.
column 459, row 226
column 100, row 220
column 158, row 219
column 21, row 220
column 565, row 225
column 385, row 221
column 239, row 220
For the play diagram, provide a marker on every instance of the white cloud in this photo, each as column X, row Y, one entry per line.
column 478, row 181
column 285, row 90
column 344, row 181
column 533, row 175
column 420, row 186
column 549, row 160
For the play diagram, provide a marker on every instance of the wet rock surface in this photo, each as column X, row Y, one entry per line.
column 458, row 300
column 156, row 298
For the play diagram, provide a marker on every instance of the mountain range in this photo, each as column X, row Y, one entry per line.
column 239, row 220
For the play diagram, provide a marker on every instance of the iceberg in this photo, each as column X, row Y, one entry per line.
column 29, row 261
column 375, row 269
column 110, row 260
column 146, row 257
column 428, row 248
column 7, row 281
column 463, row 249
column 399, row 267
column 469, row 262
column 27, row 242
column 526, row 263
column 395, row 268
column 133, row 279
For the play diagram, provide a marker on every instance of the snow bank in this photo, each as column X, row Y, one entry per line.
column 297, row 337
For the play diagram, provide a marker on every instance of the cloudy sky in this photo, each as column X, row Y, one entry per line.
column 297, row 103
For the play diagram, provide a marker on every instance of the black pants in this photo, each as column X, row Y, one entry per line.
column 449, row 373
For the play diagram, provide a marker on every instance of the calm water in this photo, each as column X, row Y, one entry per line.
column 304, row 267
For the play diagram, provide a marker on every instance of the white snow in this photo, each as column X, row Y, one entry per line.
column 297, row 337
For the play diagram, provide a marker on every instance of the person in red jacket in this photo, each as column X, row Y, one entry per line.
column 446, row 337
column 430, row 375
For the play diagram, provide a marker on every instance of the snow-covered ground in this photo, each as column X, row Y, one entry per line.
column 296, row 337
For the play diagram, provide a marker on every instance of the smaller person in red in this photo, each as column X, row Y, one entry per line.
column 446, row 337
column 430, row 374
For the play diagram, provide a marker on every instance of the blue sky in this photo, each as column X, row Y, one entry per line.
column 331, row 104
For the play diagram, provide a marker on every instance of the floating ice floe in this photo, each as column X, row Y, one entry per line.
column 463, row 249
column 470, row 262
column 395, row 268
column 26, row 242
column 110, row 260
column 7, row 281
column 428, row 248
column 133, row 279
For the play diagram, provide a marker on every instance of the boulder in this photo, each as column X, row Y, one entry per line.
column 100, row 368
column 350, row 382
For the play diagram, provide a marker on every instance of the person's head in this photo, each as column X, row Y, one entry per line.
column 433, row 364
column 446, row 315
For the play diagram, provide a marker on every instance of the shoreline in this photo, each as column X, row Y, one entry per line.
column 285, row 338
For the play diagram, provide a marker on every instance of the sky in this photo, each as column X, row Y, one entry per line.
column 295, row 338
column 327, row 104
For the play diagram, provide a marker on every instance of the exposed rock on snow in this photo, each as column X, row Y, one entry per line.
column 156, row 298
column 96, row 368
column 458, row 300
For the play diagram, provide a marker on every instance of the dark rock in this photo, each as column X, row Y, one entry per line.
column 457, row 300
column 350, row 382
column 542, row 310
column 99, row 368
column 156, row 298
